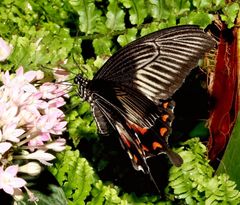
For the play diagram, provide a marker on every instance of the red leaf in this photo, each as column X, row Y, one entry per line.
column 225, row 94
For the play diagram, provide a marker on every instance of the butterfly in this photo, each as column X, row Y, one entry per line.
column 132, row 91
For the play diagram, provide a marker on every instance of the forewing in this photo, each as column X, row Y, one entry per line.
column 158, row 63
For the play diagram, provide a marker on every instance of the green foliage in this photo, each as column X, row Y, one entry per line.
column 81, row 185
column 74, row 175
column 232, row 155
column 90, row 19
column 115, row 17
column 230, row 13
column 194, row 181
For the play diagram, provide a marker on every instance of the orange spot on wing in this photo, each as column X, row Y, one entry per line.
column 164, row 118
column 165, row 105
column 138, row 129
column 145, row 148
column 156, row 145
column 163, row 131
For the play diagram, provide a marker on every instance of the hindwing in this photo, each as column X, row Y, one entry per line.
column 143, row 126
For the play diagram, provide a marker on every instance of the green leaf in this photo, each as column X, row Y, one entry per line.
column 90, row 19
column 231, row 155
column 202, row 4
column 179, row 7
column 200, row 130
column 128, row 37
column 115, row 16
column 137, row 10
column 230, row 13
column 102, row 46
column 74, row 175
column 198, row 18
column 194, row 181
column 159, row 9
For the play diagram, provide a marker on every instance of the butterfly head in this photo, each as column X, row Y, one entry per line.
column 82, row 86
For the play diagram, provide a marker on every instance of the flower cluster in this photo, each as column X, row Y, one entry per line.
column 30, row 121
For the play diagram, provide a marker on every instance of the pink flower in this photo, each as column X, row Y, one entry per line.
column 8, row 113
column 9, row 181
column 11, row 133
column 57, row 102
column 58, row 145
column 5, row 50
column 51, row 90
column 29, row 76
column 52, row 121
column 47, row 90
column 4, row 146
column 29, row 115
column 41, row 156
column 38, row 141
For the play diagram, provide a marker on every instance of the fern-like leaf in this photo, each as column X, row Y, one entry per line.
column 194, row 181
column 115, row 16
column 74, row 175
column 137, row 10
column 90, row 19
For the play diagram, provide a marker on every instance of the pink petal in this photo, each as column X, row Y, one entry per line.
column 57, row 102
column 18, row 182
column 5, row 50
column 30, row 75
column 12, row 170
column 8, row 189
column 4, row 146
column 19, row 71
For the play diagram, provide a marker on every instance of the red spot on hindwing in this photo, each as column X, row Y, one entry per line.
column 165, row 118
column 138, row 129
column 156, row 145
column 163, row 131
column 165, row 105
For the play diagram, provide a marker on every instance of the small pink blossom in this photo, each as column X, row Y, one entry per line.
column 51, row 90
column 41, row 156
column 4, row 146
column 38, row 141
column 11, row 133
column 58, row 145
column 47, row 90
column 57, row 102
column 51, row 122
column 8, row 113
column 28, row 76
column 5, row 50
column 9, row 181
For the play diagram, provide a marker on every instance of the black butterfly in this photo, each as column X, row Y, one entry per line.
column 131, row 91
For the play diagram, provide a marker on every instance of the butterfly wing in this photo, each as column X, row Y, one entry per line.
column 158, row 63
column 143, row 126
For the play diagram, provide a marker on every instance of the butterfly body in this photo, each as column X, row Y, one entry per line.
column 132, row 91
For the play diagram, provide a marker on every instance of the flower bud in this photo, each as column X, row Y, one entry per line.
column 31, row 168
